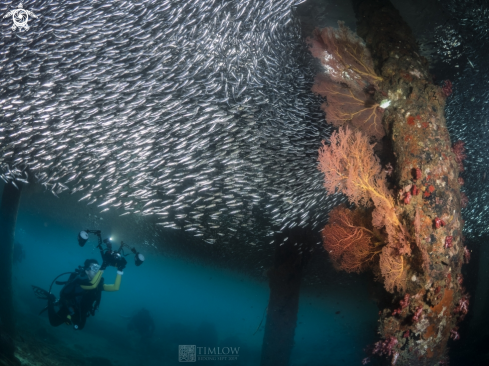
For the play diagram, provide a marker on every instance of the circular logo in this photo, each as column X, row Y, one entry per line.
column 20, row 17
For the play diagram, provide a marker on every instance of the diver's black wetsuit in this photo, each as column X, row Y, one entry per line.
column 78, row 299
column 59, row 317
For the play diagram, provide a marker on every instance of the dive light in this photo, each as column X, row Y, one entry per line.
column 139, row 258
column 82, row 238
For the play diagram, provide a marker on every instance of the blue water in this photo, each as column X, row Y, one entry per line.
column 334, row 324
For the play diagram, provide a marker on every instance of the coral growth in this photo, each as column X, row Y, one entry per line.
column 407, row 198
column 454, row 334
column 351, row 246
column 463, row 306
column 438, row 222
column 447, row 88
column 393, row 269
column 458, row 149
column 464, row 200
column 448, row 241
column 348, row 82
column 466, row 255
column 350, row 167
column 424, row 253
column 417, row 313
column 388, row 169
column 417, row 174
column 366, row 361
column 344, row 55
column 386, row 347
column 345, row 105
column 427, row 192
column 404, row 303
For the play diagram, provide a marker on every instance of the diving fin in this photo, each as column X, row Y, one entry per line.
column 40, row 293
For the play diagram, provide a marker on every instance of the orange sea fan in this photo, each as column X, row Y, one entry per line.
column 392, row 267
column 351, row 167
column 352, row 247
column 345, row 105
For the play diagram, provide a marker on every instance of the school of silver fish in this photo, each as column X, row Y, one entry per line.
column 197, row 113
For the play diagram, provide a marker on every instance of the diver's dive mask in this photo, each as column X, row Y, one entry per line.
column 92, row 270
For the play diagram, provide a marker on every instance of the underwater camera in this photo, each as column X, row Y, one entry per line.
column 112, row 257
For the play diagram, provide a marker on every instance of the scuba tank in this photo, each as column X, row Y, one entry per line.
column 72, row 296
column 82, row 301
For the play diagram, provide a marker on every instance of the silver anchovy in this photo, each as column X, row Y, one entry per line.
column 197, row 113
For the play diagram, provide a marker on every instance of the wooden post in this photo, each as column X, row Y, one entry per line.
column 422, row 157
column 8, row 217
column 285, row 277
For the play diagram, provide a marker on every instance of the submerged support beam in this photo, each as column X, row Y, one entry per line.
column 285, row 277
column 433, row 300
column 8, row 217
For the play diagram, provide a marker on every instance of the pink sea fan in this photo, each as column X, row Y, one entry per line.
column 344, row 55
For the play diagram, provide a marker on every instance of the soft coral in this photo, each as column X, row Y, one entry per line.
column 459, row 151
column 404, row 304
column 348, row 241
column 463, row 306
column 385, row 347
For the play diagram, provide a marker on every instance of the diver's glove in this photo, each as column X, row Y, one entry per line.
column 121, row 264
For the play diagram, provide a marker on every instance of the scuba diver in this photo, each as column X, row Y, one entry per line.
column 80, row 297
column 142, row 323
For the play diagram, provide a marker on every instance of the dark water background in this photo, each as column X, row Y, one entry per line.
column 190, row 303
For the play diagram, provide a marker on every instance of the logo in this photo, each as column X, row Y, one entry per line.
column 20, row 17
column 192, row 353
column 186, row 353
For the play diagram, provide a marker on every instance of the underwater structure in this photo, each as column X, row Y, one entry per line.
column 292, row 252
column 9, row 207
column 434, row 290
column 406, row 223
